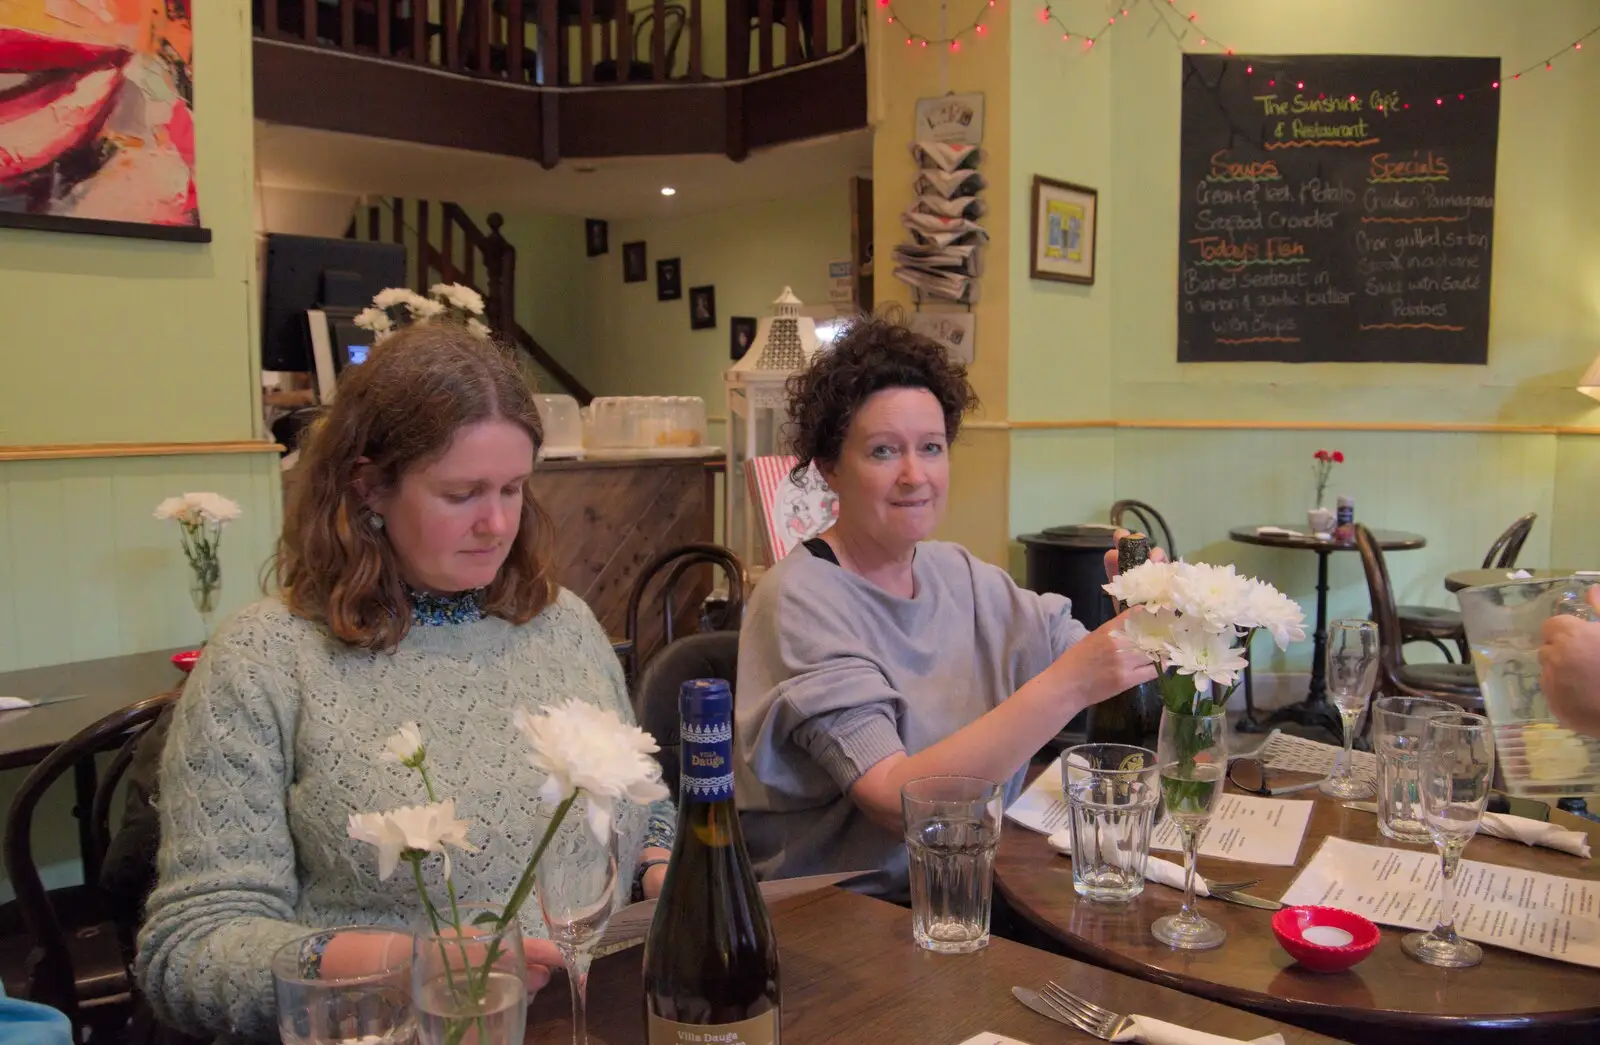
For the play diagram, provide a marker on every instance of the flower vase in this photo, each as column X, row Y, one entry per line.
column 206, row 593
column 1321, row 520
column 469, row 987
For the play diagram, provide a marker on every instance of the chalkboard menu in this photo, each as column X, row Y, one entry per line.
column 1337, row 208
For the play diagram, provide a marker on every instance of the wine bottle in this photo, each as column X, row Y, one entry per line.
column 1134, row 715
column 710, row 961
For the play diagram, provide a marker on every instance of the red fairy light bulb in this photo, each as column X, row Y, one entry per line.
column 955, row 45
column 891, row 19
column 923, row 43
column 1461, row 97
column 1249, row 70
column 1065, row 37
column 1300, row 85
column 982, row 29
column 1202, row 41
column 1496, row 85
column 1044, row 14
column 1228, row 51
column 1193, row 17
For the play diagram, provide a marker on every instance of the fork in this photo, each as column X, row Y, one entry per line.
column 1231, row 887
column 1085, row 1014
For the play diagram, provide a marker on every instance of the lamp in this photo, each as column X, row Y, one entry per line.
column 1589, row 383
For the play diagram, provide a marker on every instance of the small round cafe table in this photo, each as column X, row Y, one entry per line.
column 1460, row 579
column 1388, row 998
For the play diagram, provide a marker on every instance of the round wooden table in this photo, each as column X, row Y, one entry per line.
column 1454, row 582
column 1387, row 998
column 1315, row 709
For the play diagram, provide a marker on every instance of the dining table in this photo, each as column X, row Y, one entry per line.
column 1315, row 711
column 1461, row 579
column 1387, row 999
column 851, row 975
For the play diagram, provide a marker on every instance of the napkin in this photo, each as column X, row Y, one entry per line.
column 1535, row 832
column 14, row 703
column 1264, row 531
column 1156, row 1032
column 1519, row 575
column 1163, row 872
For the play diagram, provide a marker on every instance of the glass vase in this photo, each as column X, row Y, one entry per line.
column 469, row 986
column 205, row 591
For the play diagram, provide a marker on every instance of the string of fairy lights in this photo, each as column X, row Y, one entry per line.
column 1180, row 25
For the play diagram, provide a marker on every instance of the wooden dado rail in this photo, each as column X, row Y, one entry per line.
column 1446, row 427
column 70, row 451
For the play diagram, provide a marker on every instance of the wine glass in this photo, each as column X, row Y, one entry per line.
column 1457, row 765
column 577, row 888
column 1352, row 670
column 1193, row 753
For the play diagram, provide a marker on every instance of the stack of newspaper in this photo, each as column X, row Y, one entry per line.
column 943, row 258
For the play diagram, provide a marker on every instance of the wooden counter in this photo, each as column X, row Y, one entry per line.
column 612, row 517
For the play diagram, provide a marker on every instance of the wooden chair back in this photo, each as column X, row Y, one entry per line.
column 1149, row 522
column 1384, row 612
column 1506, row 547
column 676, row 564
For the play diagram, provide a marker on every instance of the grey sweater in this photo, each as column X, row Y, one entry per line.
column 836, row 674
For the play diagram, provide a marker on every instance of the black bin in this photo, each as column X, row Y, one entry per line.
column 1070, row 561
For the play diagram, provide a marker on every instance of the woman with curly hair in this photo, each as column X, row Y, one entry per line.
column 414, row 584
column 873, row 655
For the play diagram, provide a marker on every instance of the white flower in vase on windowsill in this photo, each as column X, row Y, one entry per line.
column 201, row 518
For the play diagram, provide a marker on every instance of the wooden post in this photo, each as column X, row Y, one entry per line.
column 516, row 39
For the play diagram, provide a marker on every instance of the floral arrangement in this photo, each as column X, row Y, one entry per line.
column 1322, row 468
column 201, row 518
column 394, row 307
column 581, row 749
column 1193, row 623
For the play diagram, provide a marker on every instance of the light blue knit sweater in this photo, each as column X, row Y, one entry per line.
column 276, row 742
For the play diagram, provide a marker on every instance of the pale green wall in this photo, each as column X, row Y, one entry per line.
column 1110, row 119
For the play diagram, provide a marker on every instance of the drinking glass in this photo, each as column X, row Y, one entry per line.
column 1399, row 725
column 1352, row 670
column 1193, row 753
column 577, row 888
column 1112, row 792
column 1457, row 764
column 314, row 1009
column 470, row 985
column 952, row 827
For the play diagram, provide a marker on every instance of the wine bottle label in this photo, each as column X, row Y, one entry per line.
column 759, row 1030
column 706, row 730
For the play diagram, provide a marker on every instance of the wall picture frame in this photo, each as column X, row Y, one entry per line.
column 741, row 335
column 702, row 308
column 596, row 237
column 634, row 262
column 1062, row 237
column 669, row 279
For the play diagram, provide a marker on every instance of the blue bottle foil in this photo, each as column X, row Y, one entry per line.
column 705, row 715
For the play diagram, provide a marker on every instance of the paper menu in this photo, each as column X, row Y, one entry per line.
column 1254, row 830
column 1529, row 911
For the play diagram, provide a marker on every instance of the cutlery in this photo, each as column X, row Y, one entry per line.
column 1246, row 900
column 1089, row 1017
column 1231, row 887
column 1053, row 1011
column 43, row 702
column 1361, row 807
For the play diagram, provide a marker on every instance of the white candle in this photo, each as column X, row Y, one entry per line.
column 1327, row 935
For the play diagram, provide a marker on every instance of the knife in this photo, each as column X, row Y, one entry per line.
column 43, row 702
column 1361, row 807
column 1246, row 900
column 1033, row 1001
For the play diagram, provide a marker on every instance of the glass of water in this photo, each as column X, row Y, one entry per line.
column 1399, row 725
column 952, row 826
column 1193, row 754
column 1352, row 671
column 315, row 1009
column 1112, row 791
column 469, row 985
column 1457, row 765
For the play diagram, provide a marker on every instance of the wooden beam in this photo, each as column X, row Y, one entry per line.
column 73, row 451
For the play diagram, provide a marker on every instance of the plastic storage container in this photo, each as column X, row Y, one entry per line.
column 563, row 426
column 663, row 424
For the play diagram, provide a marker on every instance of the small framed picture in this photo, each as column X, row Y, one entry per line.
column 702, row 308
column 741, row 335
column 669, row 279
column 633, row 262
column 1062, row 240
column 596, row 237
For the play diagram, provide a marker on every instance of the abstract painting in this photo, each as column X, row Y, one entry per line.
column 96, row 117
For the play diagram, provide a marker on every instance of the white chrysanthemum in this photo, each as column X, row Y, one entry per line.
column 213, row 507
column 1209, row 656
column 424, row 309
column 479, row 329
column 1149, row 632
column 375, row 320
column 464, row 298
column 173, row 508
column 1213, row 594
column 1267, row 608
column 1148, row 584
column 583, row 747
column 392, row 296
column 424, row 829
column 405, row 746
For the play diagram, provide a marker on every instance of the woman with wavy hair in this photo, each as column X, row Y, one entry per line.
column 413, row 584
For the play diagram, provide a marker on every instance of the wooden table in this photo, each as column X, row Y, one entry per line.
column 852, row 975
column 1315, row 709
column 1454, row 582
column 1388, row 998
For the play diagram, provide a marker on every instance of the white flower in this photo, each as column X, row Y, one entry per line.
column 375, row 320
column 464, row 298
column 478, row 328
column 583, row 747
column 213, row 507
column 405, row 746
column 172, row 508
column 421, row 829
column 1149, row 632
column 392, row 296
column 1214, row 594
column 1148, row 584
column 422, row 308
column 1268, row 608
column 1207, row 655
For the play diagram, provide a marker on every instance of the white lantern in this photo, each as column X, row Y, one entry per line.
column 757, row 412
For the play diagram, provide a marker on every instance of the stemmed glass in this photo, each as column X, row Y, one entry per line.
column 1457, row 765
column 1193, row 753
column 577, row 889
column 1352, row 670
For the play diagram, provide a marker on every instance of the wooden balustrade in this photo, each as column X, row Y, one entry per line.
column 561, row 42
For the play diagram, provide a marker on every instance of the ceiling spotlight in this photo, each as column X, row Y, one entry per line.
column 668, row 190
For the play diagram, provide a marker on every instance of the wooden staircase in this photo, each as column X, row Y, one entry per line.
column 457, row 256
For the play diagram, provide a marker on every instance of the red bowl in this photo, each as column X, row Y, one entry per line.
column 1289, row 926
column 185, row 660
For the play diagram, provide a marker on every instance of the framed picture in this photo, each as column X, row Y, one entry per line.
column 741, row 335
column 702, row 308
column 595, row 233
column 1061, row 244
column 633, row 262
column 956, row 331
column 669, row 279
column 99, row 136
